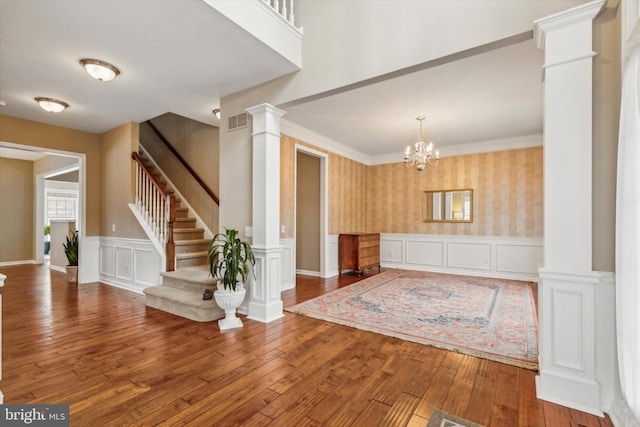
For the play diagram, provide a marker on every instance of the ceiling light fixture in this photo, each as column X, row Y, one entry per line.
column 52, row 105
column 216, row 112
column 423, row 153
column 100, row 70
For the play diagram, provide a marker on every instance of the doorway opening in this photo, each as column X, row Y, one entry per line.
column 310, row 211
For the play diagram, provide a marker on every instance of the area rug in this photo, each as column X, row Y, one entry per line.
column 440, row 418
column 490, row 318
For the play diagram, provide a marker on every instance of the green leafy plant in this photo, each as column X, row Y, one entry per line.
column 230, row 258
column 47, row 230
column 71, row 249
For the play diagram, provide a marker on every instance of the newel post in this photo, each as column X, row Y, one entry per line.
column 171, row 245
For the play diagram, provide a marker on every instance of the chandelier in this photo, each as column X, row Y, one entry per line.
column 423, row 153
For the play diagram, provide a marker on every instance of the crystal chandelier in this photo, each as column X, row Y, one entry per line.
column 423, row 153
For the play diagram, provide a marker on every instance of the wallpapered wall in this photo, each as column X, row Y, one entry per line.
column 508, row 193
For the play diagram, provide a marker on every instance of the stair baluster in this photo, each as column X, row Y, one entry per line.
column 158, row 207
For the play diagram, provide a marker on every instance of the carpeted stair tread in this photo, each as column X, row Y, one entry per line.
column 179, row 295
column 191, row 255
column 198, row 274
column 182, row 303
column 191, row 242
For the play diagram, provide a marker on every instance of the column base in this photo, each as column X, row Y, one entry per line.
column 265, row 304
column 577, row 352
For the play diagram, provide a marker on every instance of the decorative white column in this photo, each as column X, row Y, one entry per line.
column 265, row 304
column 576, row 304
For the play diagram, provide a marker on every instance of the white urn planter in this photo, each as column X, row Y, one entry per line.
column 229, row 300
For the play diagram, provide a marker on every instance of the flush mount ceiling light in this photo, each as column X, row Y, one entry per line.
column 99, row 70
column 216, row 112
column 51, row 105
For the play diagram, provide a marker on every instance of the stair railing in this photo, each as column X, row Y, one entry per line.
column 158, row 208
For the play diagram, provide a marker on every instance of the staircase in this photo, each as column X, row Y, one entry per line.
column 181, row 290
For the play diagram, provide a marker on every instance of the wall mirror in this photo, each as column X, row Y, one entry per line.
column 448, row 206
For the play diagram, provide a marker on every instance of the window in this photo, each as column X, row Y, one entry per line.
column 62, row 206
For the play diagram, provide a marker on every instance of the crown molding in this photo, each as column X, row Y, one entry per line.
column 575, row 15
column 490, row 146
column 303, row 134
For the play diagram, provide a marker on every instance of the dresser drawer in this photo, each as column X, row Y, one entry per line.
column 358, row 251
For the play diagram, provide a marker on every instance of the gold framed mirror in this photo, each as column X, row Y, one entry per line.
column 448, row 206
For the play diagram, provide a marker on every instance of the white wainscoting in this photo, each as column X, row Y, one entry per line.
column 288, row 267
column 131, row 264
column 500, row 257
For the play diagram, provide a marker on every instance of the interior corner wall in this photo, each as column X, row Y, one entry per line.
column 606, row 118
column 199, row 145
column 236, row 175
column 16, row 210
column 41, row 135
column 348, row 208
column 118, row 182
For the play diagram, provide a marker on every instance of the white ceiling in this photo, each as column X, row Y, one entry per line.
column 182, row 56
column 485, row 97
column 179, row 56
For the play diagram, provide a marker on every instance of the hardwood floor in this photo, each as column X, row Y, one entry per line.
column 118, row 363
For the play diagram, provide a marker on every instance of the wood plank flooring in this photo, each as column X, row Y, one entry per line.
column 118, row 363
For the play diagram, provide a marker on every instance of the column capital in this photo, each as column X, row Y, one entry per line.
column 266, row 119
column 565, row 19
column 265, row 108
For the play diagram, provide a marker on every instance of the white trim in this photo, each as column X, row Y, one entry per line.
column 583, row 13
column 308, row 273
column 19, row 262
column 120, row 263
column 303, row 134
column 288, row 273
column 489, row 146
column 324, row 205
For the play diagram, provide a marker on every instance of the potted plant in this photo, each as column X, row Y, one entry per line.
column 71, row 251
column 47, row 239
column 230, row 261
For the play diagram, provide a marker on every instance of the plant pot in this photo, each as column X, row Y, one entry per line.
column 72, row 273
column 47, row 247
column 229, row 301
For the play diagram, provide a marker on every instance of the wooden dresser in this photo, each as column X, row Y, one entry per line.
column 358, row 252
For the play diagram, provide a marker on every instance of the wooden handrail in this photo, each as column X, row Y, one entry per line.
column 193, row 173
column 153, row 179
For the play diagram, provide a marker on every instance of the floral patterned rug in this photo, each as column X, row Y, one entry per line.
column 490, row 318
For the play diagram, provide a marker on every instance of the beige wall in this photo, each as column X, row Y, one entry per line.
column 308, row 212
column 54, row 163
column 199, row 146
column 118, row 183
column 36, row 134
column 388, row 198
column 16, row 210
column 606, row 117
